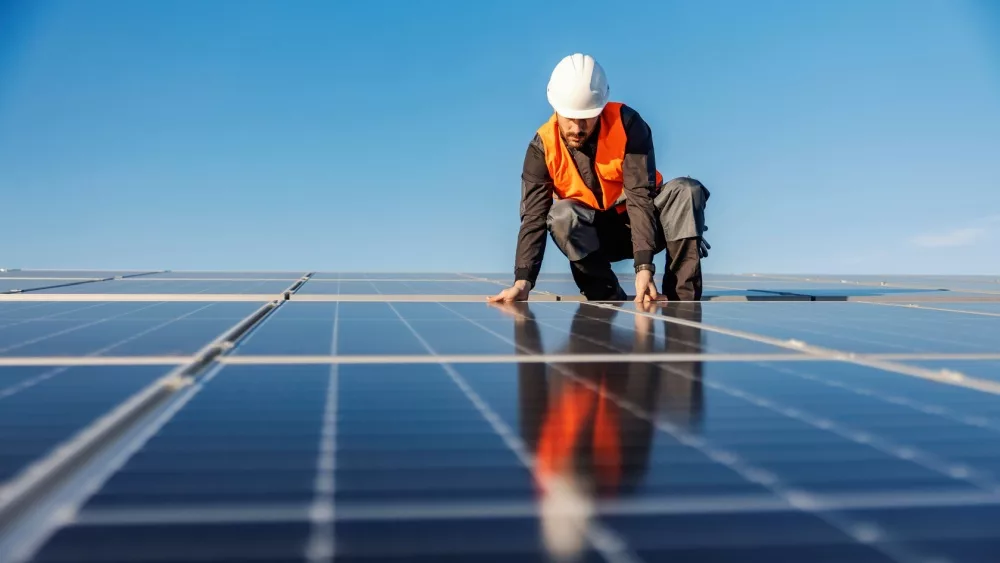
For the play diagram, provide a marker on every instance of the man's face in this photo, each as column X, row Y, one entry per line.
column 576, row 131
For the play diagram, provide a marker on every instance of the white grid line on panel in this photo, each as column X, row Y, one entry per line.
column 53, row 361
column 322, row 541
column 491, row 508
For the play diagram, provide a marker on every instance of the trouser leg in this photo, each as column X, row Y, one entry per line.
column 577, row 231
column 681, row 209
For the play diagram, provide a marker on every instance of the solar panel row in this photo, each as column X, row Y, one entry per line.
column 545, row 431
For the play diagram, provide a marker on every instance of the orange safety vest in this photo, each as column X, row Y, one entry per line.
column 608, row 161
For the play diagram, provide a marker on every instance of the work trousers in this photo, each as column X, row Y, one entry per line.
column 592, row 240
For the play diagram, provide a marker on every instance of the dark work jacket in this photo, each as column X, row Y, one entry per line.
column 639, row 184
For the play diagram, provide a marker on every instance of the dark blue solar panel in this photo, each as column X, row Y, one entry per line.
column 432, row 276
column 115, row 328
column 64, row 274
column 251, row 436
column 200, row 543
column 668, row 455
column 391, row 287
column 781, row 461
column 43, row 406
column 476, row 328
column 289, row 277
column 145, row 285
column 12, row 285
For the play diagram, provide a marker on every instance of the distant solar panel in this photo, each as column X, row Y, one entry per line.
column 151, row 286
column 226, row 276
column 69, row 274
column 390, row 287
column 398, row 416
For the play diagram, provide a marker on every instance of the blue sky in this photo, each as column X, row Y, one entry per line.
column 856, row 136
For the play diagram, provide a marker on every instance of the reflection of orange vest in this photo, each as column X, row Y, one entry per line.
column 565, row 427
column 566, row 178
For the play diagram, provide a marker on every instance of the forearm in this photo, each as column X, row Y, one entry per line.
column 536, row 200
column 639, row 179
column 642, row 216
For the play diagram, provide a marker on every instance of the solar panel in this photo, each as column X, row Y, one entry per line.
column 69, row 274
column 155, row 286
column 114, row 328
column 243, row 416
column 391, row 287
column 42, row 406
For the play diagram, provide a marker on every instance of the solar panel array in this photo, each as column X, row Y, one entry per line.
column 311, row 416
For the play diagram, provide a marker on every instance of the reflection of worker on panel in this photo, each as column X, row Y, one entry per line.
column 588, row 423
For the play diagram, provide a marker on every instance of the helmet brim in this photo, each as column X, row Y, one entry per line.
column 579, row 113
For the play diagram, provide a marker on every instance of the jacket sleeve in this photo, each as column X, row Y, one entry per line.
column 639, row 176
column 536, row 200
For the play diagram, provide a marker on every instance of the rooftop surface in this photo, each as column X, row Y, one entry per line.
column 309, row 416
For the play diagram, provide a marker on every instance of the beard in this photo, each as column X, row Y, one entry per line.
column 576, row 141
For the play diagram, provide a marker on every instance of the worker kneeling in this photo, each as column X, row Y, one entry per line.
column 590, row 181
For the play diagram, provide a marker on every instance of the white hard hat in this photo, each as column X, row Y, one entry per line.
column 578, row 87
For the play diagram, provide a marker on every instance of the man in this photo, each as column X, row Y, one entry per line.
column 590, row 181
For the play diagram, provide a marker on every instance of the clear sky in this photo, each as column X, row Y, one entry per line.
column 850, row 136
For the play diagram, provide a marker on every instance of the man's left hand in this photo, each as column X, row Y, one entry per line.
column 645, row 289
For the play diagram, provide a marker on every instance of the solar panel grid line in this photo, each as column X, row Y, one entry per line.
column 922, row 306
column 136, row 297
column 10, row 361
column 507, row 358
column 71, row 329
column 413, row 298
column 912, row 454
column 146, row 331
column 605, row 542
column 321, row 545
column 30, row 382
column 254, row 359
column 653, row 505
column 51, row 316
column 54, row 286
column 796, row 499
column 974, row 421
column 952, row 379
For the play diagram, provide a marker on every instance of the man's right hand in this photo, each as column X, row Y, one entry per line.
column 518, row 292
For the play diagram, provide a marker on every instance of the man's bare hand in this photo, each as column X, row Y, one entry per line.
column 518, row 292
column 645, row 289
